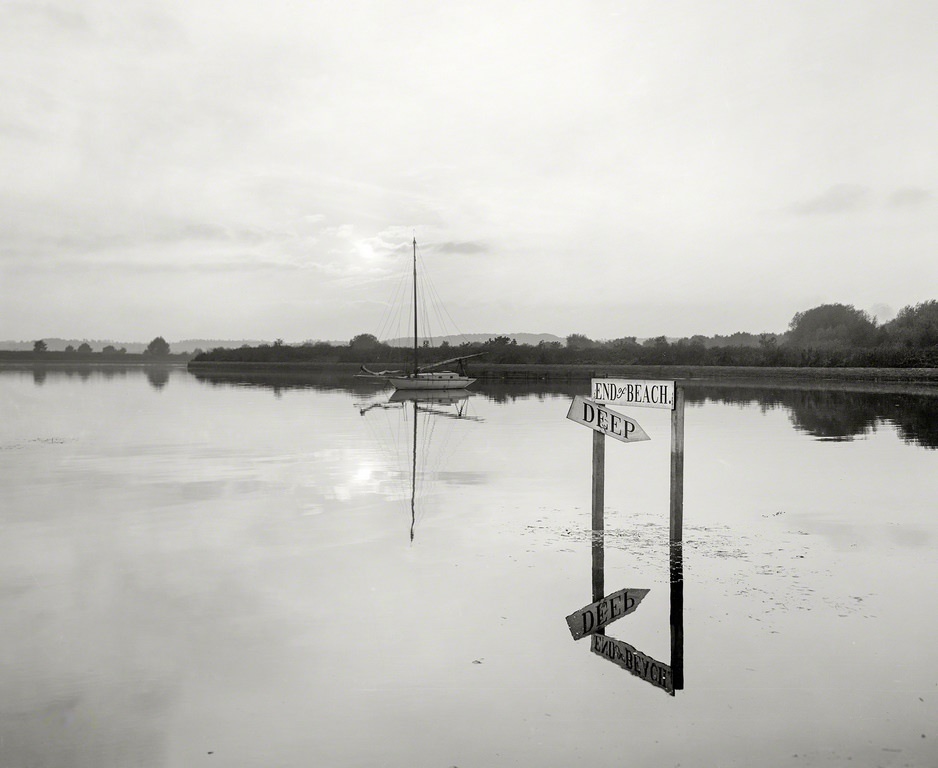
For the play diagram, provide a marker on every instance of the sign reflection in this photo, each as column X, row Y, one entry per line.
column 593, row 619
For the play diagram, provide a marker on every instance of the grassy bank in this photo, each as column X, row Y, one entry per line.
column 534, row 372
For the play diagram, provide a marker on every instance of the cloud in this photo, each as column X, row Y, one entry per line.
column 841, row 198
column 53, row 230
column 908, row 197
column 46, row 15
column 460, row 247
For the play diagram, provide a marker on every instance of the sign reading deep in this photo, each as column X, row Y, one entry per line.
column 602, row 419
column 636, row 662
column 600, row 614
column 644, row 394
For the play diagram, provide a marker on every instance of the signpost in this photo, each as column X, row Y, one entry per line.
column 594, row 413
column 654, row 394
column 602, row 613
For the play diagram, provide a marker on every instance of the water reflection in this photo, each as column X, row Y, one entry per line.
column 42, row 373
column 835, row 413
column 591, row 621
column 158, row 377
column 410, row 436
column 324, row 380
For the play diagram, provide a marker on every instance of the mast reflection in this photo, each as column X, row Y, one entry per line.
column 417, row 406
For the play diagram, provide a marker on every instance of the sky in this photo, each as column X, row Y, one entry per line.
column 197, row 169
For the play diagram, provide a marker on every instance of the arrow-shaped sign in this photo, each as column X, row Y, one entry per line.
column 602, row 613
column 591, row 414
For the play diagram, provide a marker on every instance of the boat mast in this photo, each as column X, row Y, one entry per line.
column 415, row 306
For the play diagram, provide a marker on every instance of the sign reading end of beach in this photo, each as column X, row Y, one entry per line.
column 591, row 414
column 642, row 394
column 602, row 613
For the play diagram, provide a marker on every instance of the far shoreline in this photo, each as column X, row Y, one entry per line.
column 501, row 372
column 583, row 371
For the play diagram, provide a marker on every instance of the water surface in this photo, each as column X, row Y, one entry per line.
column 274, row 571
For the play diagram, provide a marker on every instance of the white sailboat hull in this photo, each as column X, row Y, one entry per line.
column 430, row 381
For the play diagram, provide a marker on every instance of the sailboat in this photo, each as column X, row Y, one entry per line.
column 426, row 377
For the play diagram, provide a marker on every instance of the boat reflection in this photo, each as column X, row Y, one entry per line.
column 419, row 410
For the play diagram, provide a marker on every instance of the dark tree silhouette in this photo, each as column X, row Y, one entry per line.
column 915, row 326
column 832, row 326
column 84, row 348
column 40, row 346
column 579, row 341
column 158, row 347
column 365, row 341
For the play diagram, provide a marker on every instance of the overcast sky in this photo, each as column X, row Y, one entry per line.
column 256, row 169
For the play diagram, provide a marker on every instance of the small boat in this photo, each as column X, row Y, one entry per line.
column 426, row 377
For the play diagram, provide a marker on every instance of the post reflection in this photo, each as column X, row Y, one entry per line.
column 593, row 619
column 677, row 615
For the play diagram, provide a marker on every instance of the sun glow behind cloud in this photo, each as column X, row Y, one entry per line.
column 607, row 170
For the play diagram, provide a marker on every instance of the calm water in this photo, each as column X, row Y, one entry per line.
column 274, row 573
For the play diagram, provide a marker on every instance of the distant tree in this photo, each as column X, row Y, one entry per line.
column 70, row 349
column 84, row 348
column 656, row 342
column 915, row 326
column 40, row 346
column 122, row 351
column 158, row 347
column 832, row 326
column 365, row 341
column 579, row 341
column 109, row 350
column 500, row 341
column 738, row 339
column 768, row 341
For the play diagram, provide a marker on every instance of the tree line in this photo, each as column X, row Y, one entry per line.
column 159, row 347
column 829, row 335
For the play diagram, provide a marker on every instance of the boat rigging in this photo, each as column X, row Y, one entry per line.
column 425, row 377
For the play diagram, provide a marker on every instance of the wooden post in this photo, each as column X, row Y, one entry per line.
column 599, row 479
column 599, row 483
column 599, row 565
column 677, row 467
column 677, row 536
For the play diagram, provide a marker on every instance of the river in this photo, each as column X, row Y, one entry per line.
column 305, row 571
